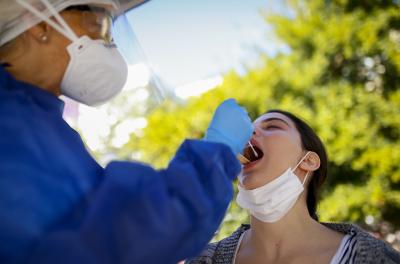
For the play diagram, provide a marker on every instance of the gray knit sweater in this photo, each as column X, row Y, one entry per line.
column 367, row 248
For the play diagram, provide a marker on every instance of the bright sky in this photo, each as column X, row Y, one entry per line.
column 189, row 40
column 189, row 43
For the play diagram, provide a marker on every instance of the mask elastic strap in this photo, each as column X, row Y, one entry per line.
column 305, row 178
column 305, row 156
column 66, row 31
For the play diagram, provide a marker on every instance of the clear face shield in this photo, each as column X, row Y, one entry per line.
column 103, row 20
column 142, row 80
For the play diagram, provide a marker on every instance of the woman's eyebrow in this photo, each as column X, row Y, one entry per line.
column 274, row 118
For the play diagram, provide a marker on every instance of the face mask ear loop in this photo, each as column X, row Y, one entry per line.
column 305, row 156
column 305, row 178
column 67, row 31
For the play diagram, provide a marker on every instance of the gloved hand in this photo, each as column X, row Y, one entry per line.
column 230, row 125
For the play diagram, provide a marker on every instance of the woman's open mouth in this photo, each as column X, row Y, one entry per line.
column 252, row 153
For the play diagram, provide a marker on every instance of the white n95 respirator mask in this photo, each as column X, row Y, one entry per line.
column 272, row 201
column 96, row 72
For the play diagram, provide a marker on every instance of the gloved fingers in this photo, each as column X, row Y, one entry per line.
column 230, row 108
column 230, row 125
column 240, row 138
column 229, row 101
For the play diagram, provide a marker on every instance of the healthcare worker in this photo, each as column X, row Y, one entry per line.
column 57, row 205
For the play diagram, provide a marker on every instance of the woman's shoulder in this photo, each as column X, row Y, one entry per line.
column 367, row 248
column 222, row 251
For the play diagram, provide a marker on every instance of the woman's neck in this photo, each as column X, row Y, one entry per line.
column 284, row 236
column 285, row 233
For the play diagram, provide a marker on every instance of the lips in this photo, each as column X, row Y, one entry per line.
column 252, row 153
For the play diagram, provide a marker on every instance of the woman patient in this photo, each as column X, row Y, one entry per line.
column 279, row 186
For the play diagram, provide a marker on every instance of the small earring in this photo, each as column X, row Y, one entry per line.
column 43, row 38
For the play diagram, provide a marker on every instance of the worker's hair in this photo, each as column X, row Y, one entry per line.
column 79, row 7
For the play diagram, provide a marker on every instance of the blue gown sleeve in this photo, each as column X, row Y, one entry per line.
column 140, row 215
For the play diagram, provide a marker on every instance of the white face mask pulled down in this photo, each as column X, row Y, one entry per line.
column 96, row 71
column 272, row 201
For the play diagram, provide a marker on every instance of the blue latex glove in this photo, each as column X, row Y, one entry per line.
column 230, row 125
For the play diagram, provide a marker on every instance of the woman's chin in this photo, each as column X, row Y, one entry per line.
column 247, row 181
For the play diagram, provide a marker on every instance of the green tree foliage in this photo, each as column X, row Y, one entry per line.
column 342, row 75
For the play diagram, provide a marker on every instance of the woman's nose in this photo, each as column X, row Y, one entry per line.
column 256, row 131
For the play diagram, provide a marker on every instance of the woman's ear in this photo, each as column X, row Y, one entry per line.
column 311, row 162
column 40, row 32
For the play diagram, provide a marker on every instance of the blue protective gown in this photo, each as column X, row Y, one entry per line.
column 57, row 205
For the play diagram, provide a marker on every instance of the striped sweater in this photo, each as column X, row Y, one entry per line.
column 365, row 249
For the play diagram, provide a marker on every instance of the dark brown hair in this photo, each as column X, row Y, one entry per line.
column 310, row 142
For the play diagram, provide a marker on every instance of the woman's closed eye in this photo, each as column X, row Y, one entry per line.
column 273, row 123
column 270, row 127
